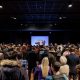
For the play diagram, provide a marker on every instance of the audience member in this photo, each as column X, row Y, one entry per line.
column 41, row 60
column 43, row 70
column 73, row 60
column 57, row 75
column 64, row 68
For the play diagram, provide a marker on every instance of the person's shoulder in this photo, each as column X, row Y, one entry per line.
column 60, row 77
column 38, row 68
column 49, row 78
column 66, row 78
column 67, row 66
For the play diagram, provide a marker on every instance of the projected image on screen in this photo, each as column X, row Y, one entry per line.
column 39, row 40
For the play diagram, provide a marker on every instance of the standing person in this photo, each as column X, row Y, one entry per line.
column 24, row 61
column 64, row 68
column 57, row 75
column 73, row 60
column 24, row 52
column 51, row 57
column 59, row 52
column 44, row 42
column 1, row 56
column 66, row 52
column 37, row 50
column 43, row 70
column 32, row 58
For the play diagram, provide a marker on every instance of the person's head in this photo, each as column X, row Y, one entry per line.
column 55, row 44
column 23, row 49
column 45, row 66
column 72, row 49
column 56, row 66
column 36, row 49
column 77, row 51
column 63, row 60
column 1, row 56
column 66, row 49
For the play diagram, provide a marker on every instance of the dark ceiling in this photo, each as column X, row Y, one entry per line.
column 33, row 14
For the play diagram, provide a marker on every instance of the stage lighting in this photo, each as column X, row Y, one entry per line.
column 13, row 17
column 1, row 6
column 60, row 17
column 55, row 24
column 70, row 5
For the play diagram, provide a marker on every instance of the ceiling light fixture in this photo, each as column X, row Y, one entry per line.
column 64, row 17
column 21, row 24
column 51, row 25
column 1, row 6
column 13, row 17
column 55, row 24
column 70, row 5
column 60, row 17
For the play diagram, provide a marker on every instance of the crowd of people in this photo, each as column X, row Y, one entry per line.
column 26, row 62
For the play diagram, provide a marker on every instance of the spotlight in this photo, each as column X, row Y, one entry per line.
column 13, row 17
column 70, row 5
column 55, row 24
column 1, row 7
column 21, row 24
column 49, row 32
column 64, row 17
column 60, row 17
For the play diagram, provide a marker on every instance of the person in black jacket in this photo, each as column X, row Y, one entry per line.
column 32, row 58
column 73, row 60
